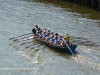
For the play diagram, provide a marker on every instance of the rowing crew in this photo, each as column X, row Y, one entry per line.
column 50, row 37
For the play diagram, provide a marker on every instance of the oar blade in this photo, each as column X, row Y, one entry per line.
column 32, row 48
column 11, row 38
column 27, row 47
column 36, row 50
column 22, row 44
column 15, row 40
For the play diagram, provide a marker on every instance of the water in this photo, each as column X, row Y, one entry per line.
column 18, row 17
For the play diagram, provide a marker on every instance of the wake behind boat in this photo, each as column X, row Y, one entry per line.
column 51, row 40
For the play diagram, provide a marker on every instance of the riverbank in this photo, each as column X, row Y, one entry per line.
column 72, row 7
column 93, row 4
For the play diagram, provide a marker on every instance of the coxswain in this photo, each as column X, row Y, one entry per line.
column 67, row 38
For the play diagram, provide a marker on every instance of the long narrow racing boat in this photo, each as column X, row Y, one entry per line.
column 70, row 49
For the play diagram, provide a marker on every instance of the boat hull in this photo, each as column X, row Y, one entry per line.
column 66, row 49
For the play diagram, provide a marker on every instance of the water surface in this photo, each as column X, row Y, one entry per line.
column 18, row 17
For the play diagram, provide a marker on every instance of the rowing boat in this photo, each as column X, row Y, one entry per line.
column 67, row 49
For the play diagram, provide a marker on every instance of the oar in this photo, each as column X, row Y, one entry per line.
column 38, row 48
column 70, row 50
column 32, row 48
column 74, row 37
column 20, row 41
column 29, row 46
column 96, row 44
column 19, row 36
column 22, row 38
column 27, row 37
column 26, row 42
column 35, row 49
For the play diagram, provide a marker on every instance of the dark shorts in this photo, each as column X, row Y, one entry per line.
column 68, row 43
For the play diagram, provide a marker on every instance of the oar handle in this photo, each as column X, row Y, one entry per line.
column 11, row 38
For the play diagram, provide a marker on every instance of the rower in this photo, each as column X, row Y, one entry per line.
column 56, row 35
column 56, row 42
column 52, row 34
column 52, row 39
column 41, row 34
column 36, row 27
column 45, row 30
column 48, row 32
column 34, row 30
column 38, row 32
column 44, row 35
column 61, row 39
column 48, row 38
